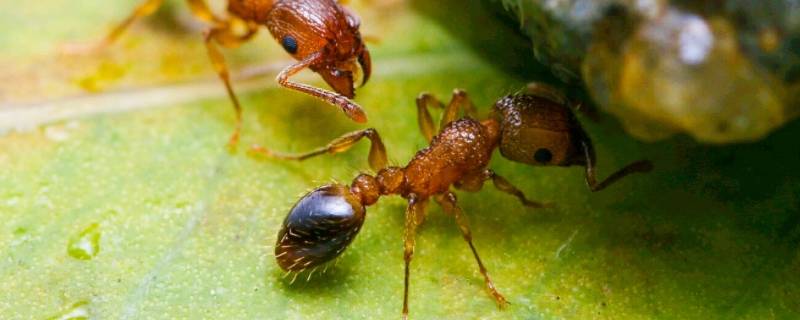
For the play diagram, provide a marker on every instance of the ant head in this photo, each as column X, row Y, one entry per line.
column 323, row 27
column 319, row 228
column 538, row 131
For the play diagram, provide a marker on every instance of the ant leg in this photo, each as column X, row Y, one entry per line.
column 503, row 185
column 218, row 61
column 377, row 151
column 224, row 35
column 351, row 109
column 449, row 203
column 146, row 8
column 641, row 166
column 424, row 101
column 415, row 213
column 458, row 101
column 201, row 11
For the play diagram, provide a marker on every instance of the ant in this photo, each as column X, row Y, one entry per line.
column 321, row 34
column 536, row 128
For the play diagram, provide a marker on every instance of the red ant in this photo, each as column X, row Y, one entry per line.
column 536, row 128
column 321, row 34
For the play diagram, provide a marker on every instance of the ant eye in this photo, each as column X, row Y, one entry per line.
column 543, row 155
column 319, row 228
column 289, row 44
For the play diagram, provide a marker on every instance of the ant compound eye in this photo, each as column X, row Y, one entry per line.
column 289, row 44
column 318, row 228
column 543, row 155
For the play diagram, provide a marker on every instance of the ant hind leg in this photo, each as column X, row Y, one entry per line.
column 225, row 36
column 377, row 151
column 449, row 203
column 146, row 8
column 201, row 11
column 415, row 214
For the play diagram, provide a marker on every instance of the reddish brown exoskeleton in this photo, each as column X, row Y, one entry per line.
column 536, row 128
column 321, row 34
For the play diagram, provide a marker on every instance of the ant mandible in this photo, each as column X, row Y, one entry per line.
column 536, row 128
column 321, row 34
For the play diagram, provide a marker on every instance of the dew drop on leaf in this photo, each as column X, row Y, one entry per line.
column 78, row 311
column 86, row 244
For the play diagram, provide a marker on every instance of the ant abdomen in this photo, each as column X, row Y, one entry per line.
column 319, row 228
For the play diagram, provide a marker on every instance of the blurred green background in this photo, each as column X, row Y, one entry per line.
column 118, row 199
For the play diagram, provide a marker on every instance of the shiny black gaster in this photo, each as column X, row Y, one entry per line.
column 318, row 228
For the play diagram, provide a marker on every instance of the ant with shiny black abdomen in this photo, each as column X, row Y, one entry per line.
column 536, row 128
column 321, row 34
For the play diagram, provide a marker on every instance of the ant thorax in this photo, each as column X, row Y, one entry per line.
column 463, row 147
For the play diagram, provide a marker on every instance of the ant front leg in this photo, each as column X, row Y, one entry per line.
column 641, row 166
column 377, row 151
column 426, row 100
column 457, row 102
column 351, row 109
column 475, row 182
column 503, row 185
column 449, row 203
column 415, row 214
column 226, row 37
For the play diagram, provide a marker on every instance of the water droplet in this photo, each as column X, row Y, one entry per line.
column 78, row 311
column 86, row 245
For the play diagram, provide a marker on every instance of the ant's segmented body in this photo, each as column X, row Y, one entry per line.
column 321, row 34
column 536, row 128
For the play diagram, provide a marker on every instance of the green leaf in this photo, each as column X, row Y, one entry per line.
column 184, row 229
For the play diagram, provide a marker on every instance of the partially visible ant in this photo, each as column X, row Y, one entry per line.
column 321, row 34
column 536, row 128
